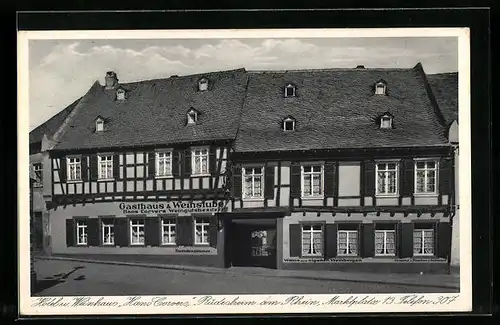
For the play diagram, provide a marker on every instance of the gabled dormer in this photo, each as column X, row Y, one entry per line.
column 385, row 121
column 192, row 116
column 288, row 124
column 290, row 90
column 380, row 87
column 203, row 84
column 99, row 124
column 121, row 94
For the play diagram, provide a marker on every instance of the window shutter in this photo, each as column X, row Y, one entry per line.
column 212, row 231
column 187, row 162
column 444, row 176
column 330, row 240
column 406, row 240
column 185, row 231
column 121, row 232
column 176, row 170
column 444, row 239
column 295, row 187
column 212, row 161
column 116, row 166
column 151, row 164
column 70, row 232
column 369, row 179
column 368, row 240
column 84, row 167
column 237, row 182
column 93, row 232
column 152, row 231
column 269, row 182
column 407, row 177
column 189, row 231
column 329, row 179
column 62, row 169
column 93, row 167
column 295, row 240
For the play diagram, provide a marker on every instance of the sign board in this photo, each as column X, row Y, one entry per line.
column 167, row 207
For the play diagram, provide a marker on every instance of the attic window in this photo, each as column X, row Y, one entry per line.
column 192, row 116
column 290, row 90
column 120, row 94
column 99, row 125
column 288, row 124
column 380, row 87
column 386, row 121
column 203, row 84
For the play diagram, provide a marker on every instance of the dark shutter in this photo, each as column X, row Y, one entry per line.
column 176, row 170
column 444, row 239
column 212, row 161
column 93, row 167
column 151, row 164
column 295, row 187
column 329, row 179
column 368, row 240
column 295, row 243
column 407, row 177
column 187, row 162
column 369, row 179
column 444, row 176
column 185, row 231
column 121, row 232
column 70, row 232
column 330, row 240
column 93, row 233
column 212, row 231
column 152, row 231
column 406, row 240
column 269, row 182
column 237, row 182
column 85, row 172
column 116, row 166
column 62, row 170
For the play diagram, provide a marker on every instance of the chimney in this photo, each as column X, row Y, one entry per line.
column 360, row 67
column 111, row 80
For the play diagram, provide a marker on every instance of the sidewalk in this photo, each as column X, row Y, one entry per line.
column 421, row 280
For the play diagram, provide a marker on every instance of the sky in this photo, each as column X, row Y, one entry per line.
column 61, row 71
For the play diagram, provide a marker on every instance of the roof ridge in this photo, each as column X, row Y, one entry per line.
column 327, row 70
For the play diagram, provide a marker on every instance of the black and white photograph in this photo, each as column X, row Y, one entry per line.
column 257, row 171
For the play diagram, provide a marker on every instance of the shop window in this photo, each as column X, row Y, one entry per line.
column 387, row 178
column 105, row 166
column 199, row 161
column 312, row 181
column 81, row 232
column 312, row 240
column 426, row 177
column 74, row 168
column 136, row 231
column 168, row 230
column 164, row 163
column 201, row 225
column 108, row 232
column 385, row 241
column 347, row 242
column 254, row 180
column 423, row 240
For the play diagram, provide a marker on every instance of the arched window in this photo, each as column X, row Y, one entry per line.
column 99, row 124
column 386, row 121
column 288, row 124
column 290, row 90
column 380, row 87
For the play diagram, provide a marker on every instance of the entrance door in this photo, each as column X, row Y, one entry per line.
column 263, row 247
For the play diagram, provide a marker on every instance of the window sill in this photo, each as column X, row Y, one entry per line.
column 387, row 196
column 200, row 175
column 167, row 244
column 312, row 198
column 433, row 195
column 105, row 179
column 164, row 177
column 253, row 199
column 74, row 181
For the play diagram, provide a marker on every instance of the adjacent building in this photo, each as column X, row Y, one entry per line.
column 335, row 169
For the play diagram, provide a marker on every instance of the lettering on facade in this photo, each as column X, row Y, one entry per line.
column 209, row 206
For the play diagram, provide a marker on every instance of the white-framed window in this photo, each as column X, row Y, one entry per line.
column 312, row 240
column 168, row 232
column 386, row 122
column 81, row 232
column 38, row 169
column 387, row 178
column 199, row 161
column 164, row 163
column 105, row 166
column 423, row 241
column 201, row 234
column 253, row 178
column 74, row 168
column 289, row 90
column 380, row 88
column 312, row 180
column 385, row 242
column 120, row 94
column 288, row 124
column 426, row 172
column 347, row 242
column 108, row 232
column 192, row 117
column 203, row 84
column 136, row 231
column 99, row 125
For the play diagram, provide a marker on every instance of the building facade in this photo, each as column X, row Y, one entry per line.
column 338, row 169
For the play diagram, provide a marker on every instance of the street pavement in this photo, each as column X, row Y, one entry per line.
column 71, row 278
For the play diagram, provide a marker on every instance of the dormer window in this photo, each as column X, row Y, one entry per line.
column 203, row 84
column 99, row 124
column 288, row 124
column 120, row 94
column 290, row 90
column 386, row 121
column 192, row 116
column 380, row 87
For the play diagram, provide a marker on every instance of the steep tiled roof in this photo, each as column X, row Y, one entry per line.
column 336, row 108
column 51, row 125
column 154, row 112
column 445, row 89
